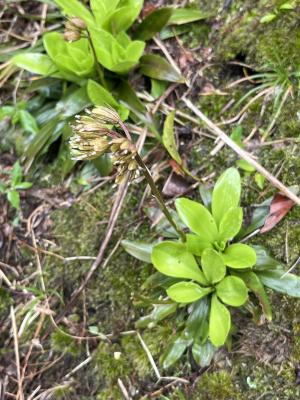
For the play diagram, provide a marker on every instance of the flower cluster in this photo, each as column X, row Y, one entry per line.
column 93, row 136
column 73, row 29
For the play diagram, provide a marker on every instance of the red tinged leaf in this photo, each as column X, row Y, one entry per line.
column 176, row 167
column 280, row 206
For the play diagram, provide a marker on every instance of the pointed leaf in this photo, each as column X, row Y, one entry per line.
column 264, row 261
column 213, row 266
column 139, row 250
column 102, row 97
column 157, row 67
column 185, row 15
column 173, row 259
column 14, row 198
column 153, row 23
column 203, row 352
column 239, row 256
column 231, row 223
column 253, row 282
column 169, row 138
column 159, row 312
column 284, row 283
column 226, row 193
column 174, row 351
column 187, row 292
column 233, row 291
column 219, row 322
column 197, row 218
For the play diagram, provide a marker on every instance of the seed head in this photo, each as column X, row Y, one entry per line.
column 73, row 29
column 86, row 145
column 105, row 115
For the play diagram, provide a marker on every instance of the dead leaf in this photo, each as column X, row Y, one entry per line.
column 280, row 206
column 175, row 185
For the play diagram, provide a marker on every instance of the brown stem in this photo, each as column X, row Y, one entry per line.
column 156, row 193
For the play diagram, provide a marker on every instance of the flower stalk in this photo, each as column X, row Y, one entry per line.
column 93, row 136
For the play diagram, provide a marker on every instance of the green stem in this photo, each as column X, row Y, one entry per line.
column 156, row 193
column 98, row 66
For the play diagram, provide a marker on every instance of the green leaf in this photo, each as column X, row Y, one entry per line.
column 102, row 97
column 174, row 351
column 187, row 292
column 169, row 137
column 75, row 8
column 196, row 245
column 36, row 63
column 28, row 122
column 226, row 193
column 157, row 67
column 264, row 261
column 24, row 185
column 14, row 198
column 73, row 103
column 284, row 283
column 290, row 5
column 159, row 312
column 153, row 23
column 16, row 173
column 259, row 180
column 203, row 352
column 139, row 250
column 245, row 165
column 219, row 322
column 185, row 15
column 75, row 57
column 231, row 223
column 123, row 17
column 213, row 266
column 267, row 18
column 173, row 259
column 158, row 88
column 253, row 282
column 7, row 111
column 196, row 217
column 197, row 322
column 239, row 256
column 102, row 9
column 233, row 291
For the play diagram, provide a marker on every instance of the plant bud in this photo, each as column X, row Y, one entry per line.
column 78, row 23
column 72, row 36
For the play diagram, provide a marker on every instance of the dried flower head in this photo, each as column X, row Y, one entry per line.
column 88, row 145
column 105, row 115
column 73, row 29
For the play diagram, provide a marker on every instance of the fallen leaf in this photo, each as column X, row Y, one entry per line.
column 280, row 206
column 175, row 185
column 176, row 167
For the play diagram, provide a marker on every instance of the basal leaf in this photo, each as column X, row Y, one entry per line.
column 173, row 259
column 226, row 193
column 174, row 351
column 231, row 223
column 197, row 218
column 239, row 256
column 253, row 282
column 213, row 266
column 102, row 9
column 153, row 23
column 169, row 138
column 141, row 251
column 102, row 97
column 264, row 261
column 187, row 292
column 122, row 18
column 28, row 122
column 14, row 198
column 232, row 291
column 36, row 63
column 157, row 67
column 185, row 15
column 196, row 245
column 284, row 283
column 219, row 322
column 203, row 352
column 159, row 312
column 197, row 322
